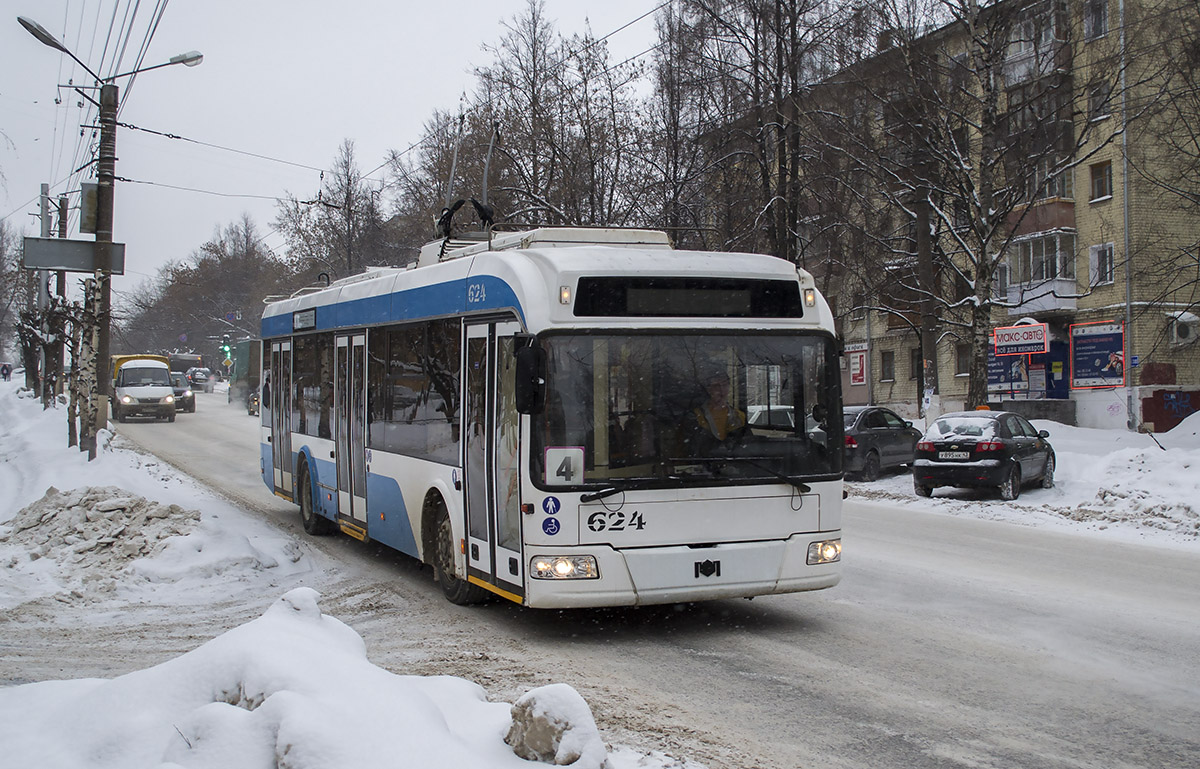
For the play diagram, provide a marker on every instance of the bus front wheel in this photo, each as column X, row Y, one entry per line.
column 457, row 591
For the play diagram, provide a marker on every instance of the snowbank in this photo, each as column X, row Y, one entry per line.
column 291, row 689
column 1125, row 485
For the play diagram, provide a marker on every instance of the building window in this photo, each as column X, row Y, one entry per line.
column 859, row 309
column 1102, row 267
column 1000, row 283
column 962, row 359
column 1047, row 181
column 887, row 366
column 1042, row 258
column 1099, row 101
column 1095, row 19
column 915, row 363
column 1102, row 188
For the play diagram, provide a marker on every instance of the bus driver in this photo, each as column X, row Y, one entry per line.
column 717, row 416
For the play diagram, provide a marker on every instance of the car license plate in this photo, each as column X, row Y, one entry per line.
column 953, row 454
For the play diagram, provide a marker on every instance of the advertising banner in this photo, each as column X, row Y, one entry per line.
column 1097, row 355
column 1022, row 340
column 856, row 354
column 1009, row 374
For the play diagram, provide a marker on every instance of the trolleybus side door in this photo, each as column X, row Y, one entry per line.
column 349, row 405
column 492, row 427
column 281, row 407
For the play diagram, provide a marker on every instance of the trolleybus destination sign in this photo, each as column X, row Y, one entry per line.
column 1022, row 340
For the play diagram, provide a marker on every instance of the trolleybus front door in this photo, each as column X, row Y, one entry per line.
column 492, row 488
column 280, row 392
column 350, row 432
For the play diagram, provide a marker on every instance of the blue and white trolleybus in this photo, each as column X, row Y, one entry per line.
column 567, row 418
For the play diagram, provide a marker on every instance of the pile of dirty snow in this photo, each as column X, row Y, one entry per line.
column 97, row 528
column 89, row 542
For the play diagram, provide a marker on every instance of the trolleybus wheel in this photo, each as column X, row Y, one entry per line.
column 314, row 524
column 457, row 591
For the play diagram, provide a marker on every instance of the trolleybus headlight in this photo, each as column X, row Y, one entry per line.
column 565, row 567
column 827, row 551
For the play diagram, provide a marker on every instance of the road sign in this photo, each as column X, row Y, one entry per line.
column 68, row 255
column 227, row 363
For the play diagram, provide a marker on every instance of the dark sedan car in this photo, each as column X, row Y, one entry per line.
column 185, row 399
column 876, row 438
column 990, row 449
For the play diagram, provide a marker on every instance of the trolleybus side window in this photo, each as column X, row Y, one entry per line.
column 414, row 392
column 312, row 380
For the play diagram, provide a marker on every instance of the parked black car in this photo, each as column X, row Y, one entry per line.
column 983, row 449
column 876, row 438
column 185, row 399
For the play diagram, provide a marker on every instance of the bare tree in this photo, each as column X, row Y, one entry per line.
column 14, row 286
column 341, row 230
column 217, row 291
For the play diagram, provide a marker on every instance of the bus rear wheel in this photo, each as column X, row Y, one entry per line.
column 314, row 524
column 457, row 591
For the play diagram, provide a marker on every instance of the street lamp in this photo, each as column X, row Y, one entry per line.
column 106, row 173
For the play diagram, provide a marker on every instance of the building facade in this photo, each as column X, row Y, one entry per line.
column 1098, row 263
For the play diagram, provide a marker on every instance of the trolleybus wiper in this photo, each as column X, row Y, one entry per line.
column 800, row 485
column 601, row 494
column 608, row 491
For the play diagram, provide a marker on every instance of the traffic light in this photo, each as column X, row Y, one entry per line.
column 225, row 345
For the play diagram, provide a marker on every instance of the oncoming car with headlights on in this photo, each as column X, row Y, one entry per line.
column 142, row 387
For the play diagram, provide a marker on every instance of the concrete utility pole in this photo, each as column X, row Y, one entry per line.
column 43, row 300
column 106, row 178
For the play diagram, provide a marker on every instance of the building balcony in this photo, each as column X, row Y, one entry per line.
column 1040, row 296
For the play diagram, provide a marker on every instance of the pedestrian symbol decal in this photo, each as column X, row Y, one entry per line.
column 551, row 505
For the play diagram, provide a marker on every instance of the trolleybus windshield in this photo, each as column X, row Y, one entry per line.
column 630, row 410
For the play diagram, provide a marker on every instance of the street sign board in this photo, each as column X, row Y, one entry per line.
column 69, row 255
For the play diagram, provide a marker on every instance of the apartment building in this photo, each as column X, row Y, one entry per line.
column 1094, row 268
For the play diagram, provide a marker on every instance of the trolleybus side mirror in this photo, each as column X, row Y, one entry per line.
column 531, row 379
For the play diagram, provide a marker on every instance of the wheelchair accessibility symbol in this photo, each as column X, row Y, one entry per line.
column 550, row 526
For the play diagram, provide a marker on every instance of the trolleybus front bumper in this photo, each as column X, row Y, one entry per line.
column 681, row 573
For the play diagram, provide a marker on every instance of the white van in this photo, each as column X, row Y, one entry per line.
column 143, row 388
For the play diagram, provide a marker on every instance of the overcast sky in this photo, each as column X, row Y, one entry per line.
column 288, row 79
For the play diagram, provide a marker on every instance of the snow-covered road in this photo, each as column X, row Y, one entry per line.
column 952, row 641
